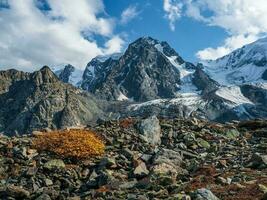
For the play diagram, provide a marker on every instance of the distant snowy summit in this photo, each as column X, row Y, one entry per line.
column 246, row 65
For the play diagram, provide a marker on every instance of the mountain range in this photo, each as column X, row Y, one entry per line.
column 150, row 77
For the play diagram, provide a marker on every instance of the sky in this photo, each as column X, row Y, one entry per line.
column 34, row 33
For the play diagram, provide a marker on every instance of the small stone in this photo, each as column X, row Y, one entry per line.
column 146, row 157
column 127, row 153
column 93, row 175
column 223, row 163
column 203, row 143
column 141, row 170
column 74, row 198
column 189, row 139
column 183, row 197
column 229, row 181
column 263, row 188
column 128, row 185
column 131, row 196
column 238, row 185
column 43, row 197
column 167, row 161
column 232, row 133
column 37, row 133
column 165, row 180
column 17, row 192
column 31, row 171
column 85, row 172
column 108, row 162
column 222, row 180
column 203, row 194
column 54, row 164
column 258, row 161
column 48, row 182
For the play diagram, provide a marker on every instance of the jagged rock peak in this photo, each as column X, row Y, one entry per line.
column 144, row 44
column 66, row 72
column 44, row 75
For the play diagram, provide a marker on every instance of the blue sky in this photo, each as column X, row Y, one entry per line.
column 187, row 39
column 51, row 32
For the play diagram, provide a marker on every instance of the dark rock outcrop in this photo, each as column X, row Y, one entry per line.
column 203, row 82
column 33, row 101
column 264, row 75
column 66, row 73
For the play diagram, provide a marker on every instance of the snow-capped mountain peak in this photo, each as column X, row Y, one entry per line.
column 154, row 78
column 245, row 65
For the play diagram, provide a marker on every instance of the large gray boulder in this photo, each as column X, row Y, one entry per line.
column 150, row 130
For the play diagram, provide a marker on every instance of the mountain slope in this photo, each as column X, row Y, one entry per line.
column 32, row 101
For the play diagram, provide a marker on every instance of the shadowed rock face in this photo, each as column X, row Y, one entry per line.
column 142, row 73
column 33, row 101
column 66, row 73
column 203, row 82
column 264, row 75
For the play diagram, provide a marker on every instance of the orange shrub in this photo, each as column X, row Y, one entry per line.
column 70, row 143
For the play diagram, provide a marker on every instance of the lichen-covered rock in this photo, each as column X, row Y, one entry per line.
column 54, row 164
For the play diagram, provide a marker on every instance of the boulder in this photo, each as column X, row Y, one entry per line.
column 150, row 129
column 167, row 162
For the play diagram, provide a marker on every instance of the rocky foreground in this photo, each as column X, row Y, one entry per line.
column 145, row 159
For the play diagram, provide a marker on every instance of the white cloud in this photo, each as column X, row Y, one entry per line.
column 173, row 11
column 129, row 14
column 229, row 45
column 244, row 20
column 114, row 45
column 30, row 39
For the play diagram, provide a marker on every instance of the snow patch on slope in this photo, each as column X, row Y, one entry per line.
column 122, row 97
column 186, row 75
column 190, row 101
column 234, row 95
column 243, row 66
column 246, row 74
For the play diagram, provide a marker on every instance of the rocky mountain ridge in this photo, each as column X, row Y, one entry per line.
column 150, row 78
column 38, row 100
column 153, row 78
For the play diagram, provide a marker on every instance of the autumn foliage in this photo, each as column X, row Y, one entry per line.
column 70, row 143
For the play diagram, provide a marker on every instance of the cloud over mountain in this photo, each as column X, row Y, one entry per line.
column 244, row 20
column 34, row 33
